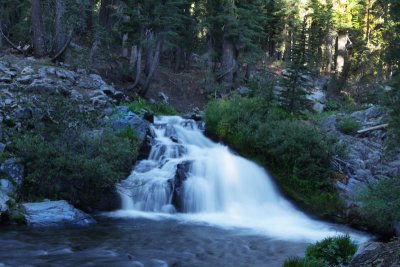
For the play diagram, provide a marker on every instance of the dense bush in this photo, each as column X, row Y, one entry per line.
column 70, row 153
column 393, row 102
column 79, row 170
column 297, row 153
column 331, row 251
column 348, row 125
column 141, row 105
column 381, row 203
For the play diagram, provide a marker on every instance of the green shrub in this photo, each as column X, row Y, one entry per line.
column 348, row 125
column 79, row 170
column 297, row 152
column 302, row 262
column 141, row 105
column 381, row 203
column 331, row 251
column 336, row 251
column 393, row 102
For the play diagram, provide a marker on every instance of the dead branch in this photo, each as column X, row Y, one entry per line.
column 377, row 127
column 64, row 47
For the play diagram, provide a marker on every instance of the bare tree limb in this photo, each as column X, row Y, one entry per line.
column 64, row 47
column 11, row 43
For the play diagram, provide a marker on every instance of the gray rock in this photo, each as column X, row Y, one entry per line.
column 23, row 114
column 87, row 83
column 377, row 254
column 13, row 170
column 26, row 79
column 7, row 187
column 6, row 79
column 75, row 95
column 97, row 80
column 164, row 98
column 66, row 74
column 54, row 213
column 2, row 146
column 108, row 89
column 42, row 86
column 27, row 71
column 3, row 203
column 139, row 125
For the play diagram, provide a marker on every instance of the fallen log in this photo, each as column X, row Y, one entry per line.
column 373, row 128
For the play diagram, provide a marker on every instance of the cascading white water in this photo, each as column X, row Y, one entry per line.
column 203, row 181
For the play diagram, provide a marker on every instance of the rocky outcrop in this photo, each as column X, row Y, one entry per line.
column 129, row 119
column 13, row 170
column 366, row 162
column 4, row 199
column 373, row 254
column 54, row 213
column 181, row 175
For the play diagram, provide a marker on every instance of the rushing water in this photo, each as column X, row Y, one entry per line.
column 192, row 203
column 205, row 182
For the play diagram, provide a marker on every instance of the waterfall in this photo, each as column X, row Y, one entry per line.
column 192, row 178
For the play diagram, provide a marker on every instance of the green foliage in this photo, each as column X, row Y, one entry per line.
column 335, row 251
column 76, row 168
column 381, row 203
column 302, row 262
column 348, row 125
column 297, row 152
column 393, row 102
column 141, row 106
column 70, row 154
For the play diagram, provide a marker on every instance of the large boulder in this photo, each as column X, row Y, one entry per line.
column 129, row 119
column 365, row 163
column 54, row 213
column 377, row 254
column 13, row 170
column 181, row 175
column 3, row 203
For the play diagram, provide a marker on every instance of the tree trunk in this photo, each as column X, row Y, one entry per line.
column 133, row 57
column 329, row 51
column 138, row 66
column 152, row 66
column 60, row 29
column 38, row 34
column 178, row 58
column 105, row 13
column 125, row 51
column 228, row 64
column 341, row 53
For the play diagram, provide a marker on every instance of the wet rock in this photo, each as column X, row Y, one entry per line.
column 181, row 175
column 13, row 170
column 54, row 213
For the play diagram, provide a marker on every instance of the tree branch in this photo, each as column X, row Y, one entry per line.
column 11, row 43
column 64, row 47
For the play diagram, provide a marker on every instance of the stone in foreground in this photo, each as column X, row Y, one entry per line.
column 54, row 213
